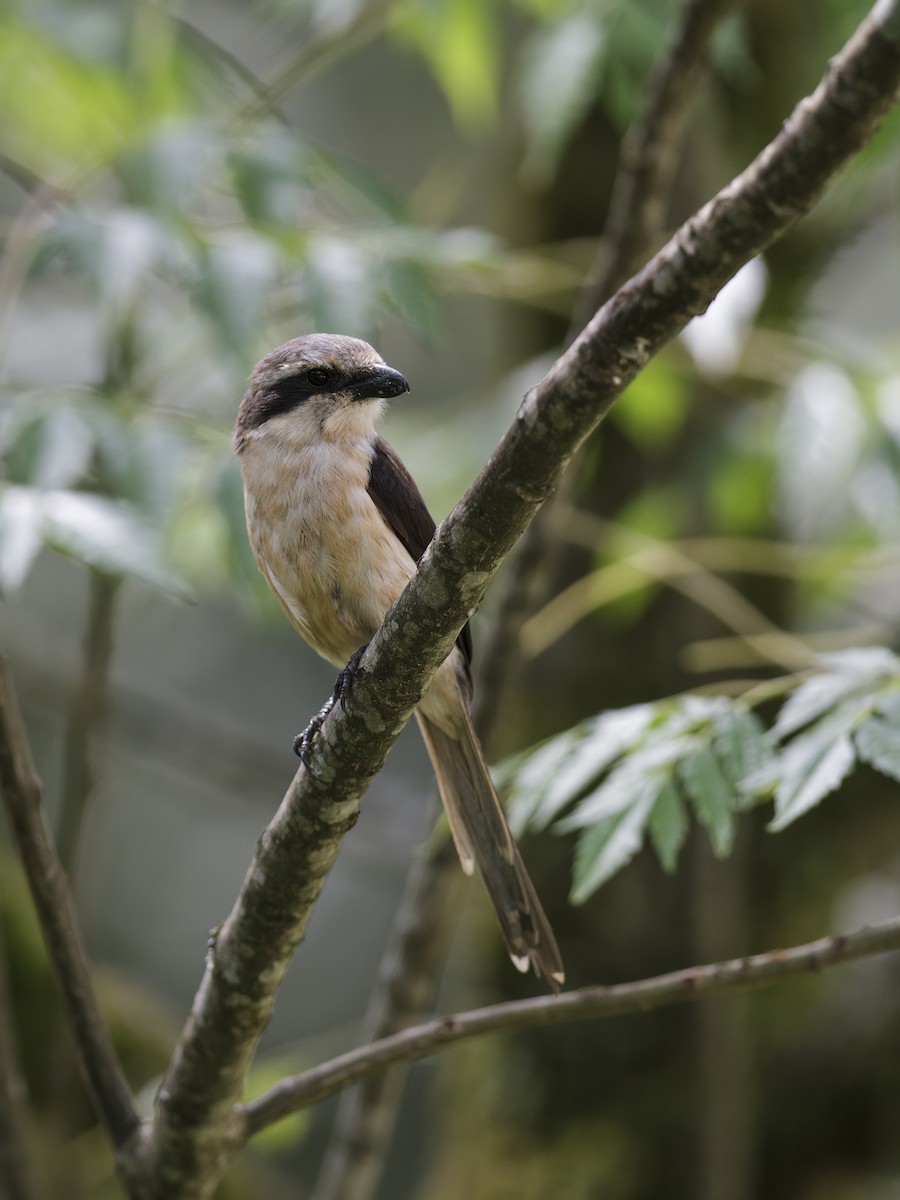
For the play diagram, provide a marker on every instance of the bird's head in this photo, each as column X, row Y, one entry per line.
column 319, row 386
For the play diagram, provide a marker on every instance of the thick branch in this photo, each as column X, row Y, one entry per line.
column 196, row 1130
column 21, row 790
column 649, row 154
column 677, row 987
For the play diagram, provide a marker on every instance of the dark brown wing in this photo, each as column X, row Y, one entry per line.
column 398, row 499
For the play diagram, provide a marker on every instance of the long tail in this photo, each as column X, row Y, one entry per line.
column 483, row 839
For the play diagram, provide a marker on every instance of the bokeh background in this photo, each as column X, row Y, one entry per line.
column 184, row 186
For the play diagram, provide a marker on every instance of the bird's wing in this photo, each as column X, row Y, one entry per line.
column 396, row 496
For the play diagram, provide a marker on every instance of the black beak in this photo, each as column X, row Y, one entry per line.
column 381, row 381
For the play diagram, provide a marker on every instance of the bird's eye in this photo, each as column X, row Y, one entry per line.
column 317, row 376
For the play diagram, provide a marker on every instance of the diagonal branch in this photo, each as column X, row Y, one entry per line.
column 21, row 791
column 196, row 1128
column 650, row 151
column 590, row 1003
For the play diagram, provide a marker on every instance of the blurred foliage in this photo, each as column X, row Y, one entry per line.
column 632, row 773
column 185, row 227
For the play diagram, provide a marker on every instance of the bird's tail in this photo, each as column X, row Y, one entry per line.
column 483, row 839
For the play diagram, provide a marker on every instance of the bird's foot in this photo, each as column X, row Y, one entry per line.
column 344, row 684
column 303, row 742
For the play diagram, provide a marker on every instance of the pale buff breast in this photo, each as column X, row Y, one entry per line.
column 321, row 543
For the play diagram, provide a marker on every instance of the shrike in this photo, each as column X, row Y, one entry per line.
column 337, row 526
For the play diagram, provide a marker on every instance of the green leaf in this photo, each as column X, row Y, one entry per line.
column 811, row 767
column 820, row 449
column 674, row 730
column 58, row 105
column 63, row 450
column 557, row 774
column 169, row 171
column 626, row 783
column 866, row 662
column 339, row 283
column 878, row 744
column 740, row 744
column 132, row 244
column 534, row 775
column 559, row 79
column 712, row 796
column 611, row 843
column 20, row 535
column 668, row 825
column 850, row 672
column 236, row 285
column 740, row 493
column 458, row 39
column 636, row 36
column 109, row 536
column 263, row 1075
column 658, row 513
column 653, row 409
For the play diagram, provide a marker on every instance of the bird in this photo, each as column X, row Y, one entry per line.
column 337, row 526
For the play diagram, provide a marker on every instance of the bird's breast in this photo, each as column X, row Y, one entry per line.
column 321, row 543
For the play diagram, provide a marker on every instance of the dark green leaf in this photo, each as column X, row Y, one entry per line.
column 740, row 744
column 584, row 758
column 814, row 764
column 878, row 744
column 712, row 795
column 559, row 79
column 611, row 843
column 626, row 783
column 847, row 673
column 236, row 286
column 63, row 451
column 20, row 535
column 534, row 776
column 668, row 825
column 109, row 536
column 340, row 284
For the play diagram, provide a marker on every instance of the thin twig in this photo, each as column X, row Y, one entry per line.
column 404, row 993
column 17, row 1176
column 22, row 794
column 649, row 156
column 676, row 987
column 87, row 713
column 319, row 52
column 665, row 562
column 763, row 649
column 19, row 247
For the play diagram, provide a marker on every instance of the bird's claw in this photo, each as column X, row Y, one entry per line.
column 345, row 680
column 303, row 742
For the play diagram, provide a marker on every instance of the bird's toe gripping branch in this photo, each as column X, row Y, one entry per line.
column 304, row 741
